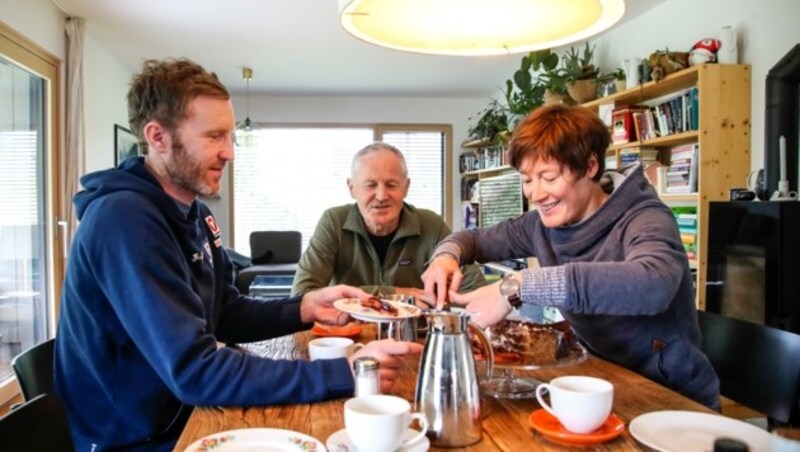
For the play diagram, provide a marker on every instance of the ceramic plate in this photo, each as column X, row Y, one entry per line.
column 251, row 439
column 353, row 307
column 340, row 442
column 350, row 330
column 547, row 424
column 689, row 431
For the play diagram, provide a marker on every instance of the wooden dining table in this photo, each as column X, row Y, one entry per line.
column 505, row 421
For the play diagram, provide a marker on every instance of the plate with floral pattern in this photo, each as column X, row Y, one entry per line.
column 249, row 439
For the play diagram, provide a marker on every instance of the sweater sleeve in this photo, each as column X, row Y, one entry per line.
column 643, row 280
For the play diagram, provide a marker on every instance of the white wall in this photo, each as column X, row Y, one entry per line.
column 767, row 30
column 105, row 87
column 38, row 20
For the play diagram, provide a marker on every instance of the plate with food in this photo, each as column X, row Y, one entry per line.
column 350, row 330
column 375, row 309
column 519, row 343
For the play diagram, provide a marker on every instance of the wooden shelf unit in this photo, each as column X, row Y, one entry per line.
column 723, row 137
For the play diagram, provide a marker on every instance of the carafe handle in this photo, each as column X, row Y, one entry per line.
column 487, row 349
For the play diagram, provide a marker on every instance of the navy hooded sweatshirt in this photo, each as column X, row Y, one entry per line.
column 147, row 295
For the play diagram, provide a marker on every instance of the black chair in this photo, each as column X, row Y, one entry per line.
column 272, row 253
column 39, row 424
column 758, row 366
column 34, row 369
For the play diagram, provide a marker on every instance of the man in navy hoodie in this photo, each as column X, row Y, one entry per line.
column 148, row 292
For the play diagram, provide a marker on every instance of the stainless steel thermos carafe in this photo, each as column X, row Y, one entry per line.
column 447, row 384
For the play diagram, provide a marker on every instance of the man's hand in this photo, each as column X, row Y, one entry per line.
column 317, row 305
column 442, row 276
column 389, row 353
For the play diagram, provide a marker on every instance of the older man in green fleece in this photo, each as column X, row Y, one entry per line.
column 379, row 243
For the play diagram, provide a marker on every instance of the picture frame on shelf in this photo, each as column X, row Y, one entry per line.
column 606, row 87
column 125, row 144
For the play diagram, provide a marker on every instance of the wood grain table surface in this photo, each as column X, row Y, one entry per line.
column 506, row 425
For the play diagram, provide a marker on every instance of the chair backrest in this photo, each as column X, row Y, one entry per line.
column 34, row 369
column 39, row 424
column 758, row 366
column 275, row 247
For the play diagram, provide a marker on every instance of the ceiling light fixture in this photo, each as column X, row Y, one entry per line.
column 245, row 129
column 477, row 27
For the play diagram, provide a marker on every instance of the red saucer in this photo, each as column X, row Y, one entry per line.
column 350, row 330
column 547, row 424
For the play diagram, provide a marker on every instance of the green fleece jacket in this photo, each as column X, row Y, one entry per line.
column 340, row 252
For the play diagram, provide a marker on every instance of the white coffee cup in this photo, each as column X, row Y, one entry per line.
column 785, row 439
column 376, row 423
column 331, row 348
column 581, row 404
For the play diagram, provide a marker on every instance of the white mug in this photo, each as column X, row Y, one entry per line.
column 785, row 439
column 376, row 423
column 581, row 404
column 331, row 348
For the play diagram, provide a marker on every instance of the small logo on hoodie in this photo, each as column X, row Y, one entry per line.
column 214, row 228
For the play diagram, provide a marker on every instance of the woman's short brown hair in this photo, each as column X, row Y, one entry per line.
column 570, row 135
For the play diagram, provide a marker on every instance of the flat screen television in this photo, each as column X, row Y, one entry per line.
column 753, row 268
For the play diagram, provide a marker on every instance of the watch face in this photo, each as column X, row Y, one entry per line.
column 509, row 286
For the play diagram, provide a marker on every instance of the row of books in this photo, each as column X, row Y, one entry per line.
column 644, row 155
column 682, row 172
column 483, row 158
column 686, row 217
column 641, row 122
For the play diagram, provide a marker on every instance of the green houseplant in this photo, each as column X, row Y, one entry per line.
column 490, row 123
column 581, row 73
column 538, row 81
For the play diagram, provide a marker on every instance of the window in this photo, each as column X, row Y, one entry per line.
column 28, row 267
column 285, row 177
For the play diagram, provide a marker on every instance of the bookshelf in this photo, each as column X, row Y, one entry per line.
column 722, row 135
column 498, row 194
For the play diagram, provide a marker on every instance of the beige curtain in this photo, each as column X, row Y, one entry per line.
column 73, row 159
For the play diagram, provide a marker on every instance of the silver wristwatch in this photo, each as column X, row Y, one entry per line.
column 509, row 288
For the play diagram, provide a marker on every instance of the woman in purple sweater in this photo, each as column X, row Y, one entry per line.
column 610, row 255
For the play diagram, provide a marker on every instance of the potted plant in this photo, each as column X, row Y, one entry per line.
column 619, row 78
column 581, row 74
column 491, row 123
column 538, row 81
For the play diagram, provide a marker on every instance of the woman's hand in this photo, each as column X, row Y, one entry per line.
column 486, row 305
column 389, row 353
column 317, row 305
column 442, row 276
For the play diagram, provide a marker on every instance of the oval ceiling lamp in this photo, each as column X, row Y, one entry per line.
column 477, row 27
column 244, row 130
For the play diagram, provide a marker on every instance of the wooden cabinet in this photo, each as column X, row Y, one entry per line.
column 723, row 138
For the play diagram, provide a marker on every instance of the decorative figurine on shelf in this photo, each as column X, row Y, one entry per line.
column 704, row 51
column 664, row 62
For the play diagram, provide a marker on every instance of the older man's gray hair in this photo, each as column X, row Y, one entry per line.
column 378, row 146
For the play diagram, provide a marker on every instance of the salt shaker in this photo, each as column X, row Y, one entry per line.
column 366, row 370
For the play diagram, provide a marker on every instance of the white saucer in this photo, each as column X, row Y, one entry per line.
column 340, row 442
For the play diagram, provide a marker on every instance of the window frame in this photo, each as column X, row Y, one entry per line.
column 379, row 129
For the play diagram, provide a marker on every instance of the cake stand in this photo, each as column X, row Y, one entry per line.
column 509, row 386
